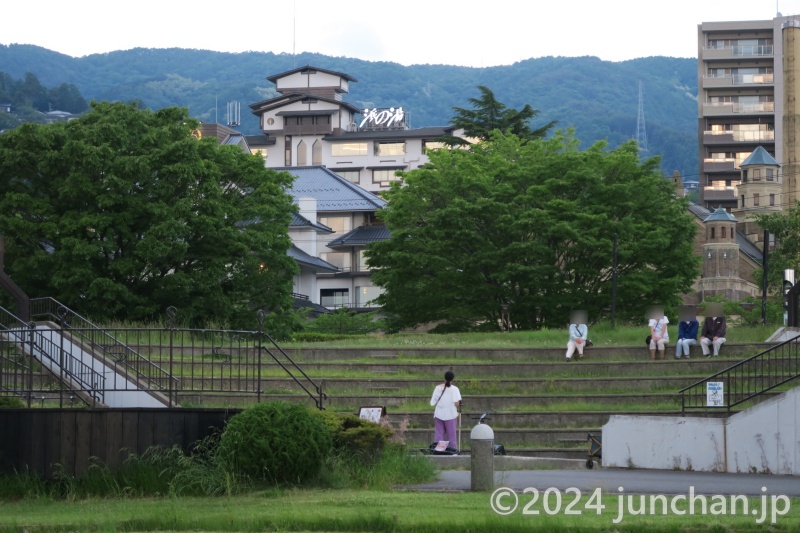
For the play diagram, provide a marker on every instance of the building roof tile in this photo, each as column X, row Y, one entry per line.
column 332, row 192
column 361, row 236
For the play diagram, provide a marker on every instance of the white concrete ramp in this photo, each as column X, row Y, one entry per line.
column 107, row 382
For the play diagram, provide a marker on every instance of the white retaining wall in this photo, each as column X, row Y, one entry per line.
column 762, row 439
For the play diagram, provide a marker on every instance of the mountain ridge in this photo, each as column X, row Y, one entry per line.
column 598, row 98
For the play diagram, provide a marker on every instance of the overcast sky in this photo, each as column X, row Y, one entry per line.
column 476, row 33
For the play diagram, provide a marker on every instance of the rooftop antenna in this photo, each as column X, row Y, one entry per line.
column 234, row 114
column 294, row 34
column 641, row 130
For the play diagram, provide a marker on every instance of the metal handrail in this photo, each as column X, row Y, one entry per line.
column 318, row 396
column 38, row 346
column 747, row 379
column 144, row 370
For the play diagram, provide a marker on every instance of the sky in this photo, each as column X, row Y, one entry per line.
column 476, row 33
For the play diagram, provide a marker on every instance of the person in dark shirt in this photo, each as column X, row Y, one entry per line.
column 714, row 330
column 687, row 333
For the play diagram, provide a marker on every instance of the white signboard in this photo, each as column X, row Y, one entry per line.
column 373, row 414
column 715, row 394
column 383, row 118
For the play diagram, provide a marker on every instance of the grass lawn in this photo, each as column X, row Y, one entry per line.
column 348, row 510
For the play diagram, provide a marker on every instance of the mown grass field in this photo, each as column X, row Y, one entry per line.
column 349, row 510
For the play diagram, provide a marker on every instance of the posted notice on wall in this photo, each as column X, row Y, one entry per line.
column 715, row 394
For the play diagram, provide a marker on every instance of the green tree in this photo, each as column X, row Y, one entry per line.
column 67, row 97
column 530, row 225
column 489, row 114
column 785, row 228
column 122, row 213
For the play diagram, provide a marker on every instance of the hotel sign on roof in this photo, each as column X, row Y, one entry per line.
column 384, row 119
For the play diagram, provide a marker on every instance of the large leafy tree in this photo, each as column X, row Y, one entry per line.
column 530, row 224
column 123, row 212
column 489, row 114
column 785, row 228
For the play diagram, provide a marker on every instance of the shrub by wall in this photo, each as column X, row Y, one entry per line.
column 275, row 442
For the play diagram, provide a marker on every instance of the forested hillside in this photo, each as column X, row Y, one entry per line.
column 598, row 98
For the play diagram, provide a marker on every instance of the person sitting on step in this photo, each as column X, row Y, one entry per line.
column 714, row 329
column 659, row 336
column 687, row 332
column 578, row 333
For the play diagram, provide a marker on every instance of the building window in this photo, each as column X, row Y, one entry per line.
column 341, row 260
column 724, row 231
column 362, row 261
column 350, row 175
column 334, row 297
column 348, row 149
column 770, row 174
column 433, row 145
column 743, row 200
column 302, row 154
column 316, row 153
column 287, row 151
column 384, row 177
column 390, row 149
column 712, row 234
column 756, row 174
column 337, row 224
column 755, row 200
column 772, row 199
column 365, row 296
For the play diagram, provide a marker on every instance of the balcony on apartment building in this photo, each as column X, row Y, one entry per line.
column 737, row 52
column 719, row 194
column 737, row 80
column 737, row 108
column 720, row 138
column 716, row 165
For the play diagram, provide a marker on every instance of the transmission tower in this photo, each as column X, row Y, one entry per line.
column 641, row 130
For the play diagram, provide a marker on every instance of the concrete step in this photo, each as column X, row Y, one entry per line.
column 500, row 386
column 554, row 438
column 522, row 419
column 434, row 356
column 463, row 461
column 524, row 354
column 464, row 371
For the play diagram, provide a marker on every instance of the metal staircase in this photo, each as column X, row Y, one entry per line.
column 746, row 381
column 86, row 359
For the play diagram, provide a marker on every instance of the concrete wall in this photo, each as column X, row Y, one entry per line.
column 762, row 439
column 766, row 438
column 664, row 443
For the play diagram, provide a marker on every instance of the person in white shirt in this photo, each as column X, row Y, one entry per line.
column 446, row 398
column 578, row 334
column 659, row 336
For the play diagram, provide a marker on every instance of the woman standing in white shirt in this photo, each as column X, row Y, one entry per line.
column 446, row 398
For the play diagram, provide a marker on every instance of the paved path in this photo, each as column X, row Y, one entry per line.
column 632, row 481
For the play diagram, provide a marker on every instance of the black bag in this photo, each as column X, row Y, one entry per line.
column 647, row 340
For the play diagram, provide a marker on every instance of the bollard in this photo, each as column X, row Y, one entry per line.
column 482, row 457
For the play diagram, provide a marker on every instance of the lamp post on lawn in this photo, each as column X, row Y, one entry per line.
column 505, row 319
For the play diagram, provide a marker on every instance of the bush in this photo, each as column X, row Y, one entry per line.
column 356, row 436
column 346, row 322
column 11, row 402
column 276, row 442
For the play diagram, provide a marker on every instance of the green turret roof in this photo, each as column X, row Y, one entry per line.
column 760, row 157
column 720, row 215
